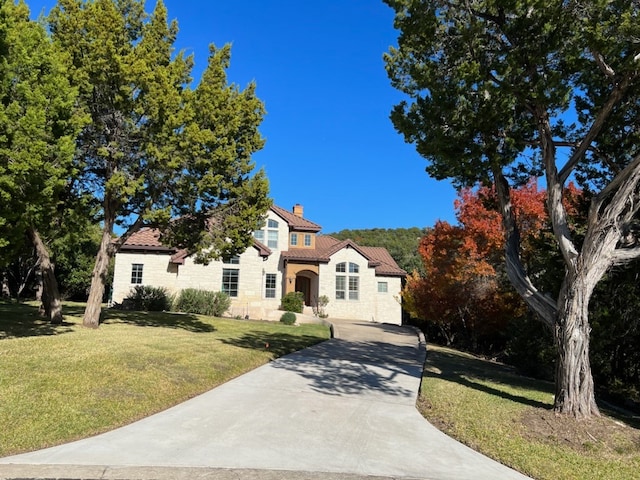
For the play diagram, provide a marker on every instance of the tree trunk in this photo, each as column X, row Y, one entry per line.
column 92, row 312
column 575, row 393
column 51, row 294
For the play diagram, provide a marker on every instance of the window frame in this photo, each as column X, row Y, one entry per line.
column 137, row 273
column 270, row 289
column 341, row 287
column 230, row 279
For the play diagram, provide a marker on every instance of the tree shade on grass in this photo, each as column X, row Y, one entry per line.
column 64, row 382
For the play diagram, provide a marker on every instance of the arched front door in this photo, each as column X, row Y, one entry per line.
column 303, row 284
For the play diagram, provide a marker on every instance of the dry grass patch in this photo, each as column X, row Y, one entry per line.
column 508, row 417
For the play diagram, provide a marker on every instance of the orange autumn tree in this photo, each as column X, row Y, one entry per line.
column 464, row 292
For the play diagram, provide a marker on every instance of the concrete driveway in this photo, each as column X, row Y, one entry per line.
column 343, row 409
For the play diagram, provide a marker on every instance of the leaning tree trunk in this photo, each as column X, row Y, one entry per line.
column 92, row 312
column 51, row 299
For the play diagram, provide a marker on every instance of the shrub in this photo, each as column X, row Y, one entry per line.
column 321, row 304
column 203, row 302
column 293, row 302
column 149, row 299
column 288, row 318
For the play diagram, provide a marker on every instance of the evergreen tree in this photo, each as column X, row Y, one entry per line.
column 491, row 86
column 38, row 127
column 157, row 152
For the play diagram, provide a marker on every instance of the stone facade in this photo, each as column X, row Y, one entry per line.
column 361, row 283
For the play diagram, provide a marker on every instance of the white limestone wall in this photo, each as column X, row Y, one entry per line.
column 157, row 271
column 371, row 306
column 251, row 300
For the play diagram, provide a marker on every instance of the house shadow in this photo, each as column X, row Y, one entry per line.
column 339, row 367
column 24, row 320
column 475, row 373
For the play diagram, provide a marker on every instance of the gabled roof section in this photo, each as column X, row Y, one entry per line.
column 383, row 262
column 326, row 245
column 295, row 222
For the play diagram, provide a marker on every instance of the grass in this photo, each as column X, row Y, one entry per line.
column 61, row 383
column 509, row 418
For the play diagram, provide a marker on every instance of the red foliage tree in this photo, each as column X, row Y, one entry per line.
column 464, row 291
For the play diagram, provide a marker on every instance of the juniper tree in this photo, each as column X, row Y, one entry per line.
column 158, row 152
column 501, row 91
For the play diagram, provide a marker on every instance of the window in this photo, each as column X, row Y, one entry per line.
column 272, row 238
column 235, row 260
column 136, row 273
column 270, row 285
column 272, row 234
column 383, row 287
column 351, row 281
column 294, row 239
column 230, row 278
column 353, row 288
column 340, row 287
column 307, row 240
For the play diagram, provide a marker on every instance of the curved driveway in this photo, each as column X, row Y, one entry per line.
column 343, row 409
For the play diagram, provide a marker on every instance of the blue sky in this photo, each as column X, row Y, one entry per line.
column 330, row 145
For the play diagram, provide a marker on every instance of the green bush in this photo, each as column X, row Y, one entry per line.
column 149, row 299
column 288, row 318
column 293, row 302
column 203, row 302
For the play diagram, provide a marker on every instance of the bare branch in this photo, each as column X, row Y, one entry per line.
column 616, row 96
column 621, row 187
column 625, row 255
column 603, row 65
column 540, row 303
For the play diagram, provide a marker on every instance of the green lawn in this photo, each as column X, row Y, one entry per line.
column 60, row 383
column 509, row 418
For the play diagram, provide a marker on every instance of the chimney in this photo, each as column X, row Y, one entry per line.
column 297, row 210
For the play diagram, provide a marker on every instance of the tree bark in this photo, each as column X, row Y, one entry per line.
column 574, row 394
column 51, row 299
column 91, row 318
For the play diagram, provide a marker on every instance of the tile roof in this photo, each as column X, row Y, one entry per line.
column 146, row 239
column 383, row 262
column 295, row 222
column 326, row 245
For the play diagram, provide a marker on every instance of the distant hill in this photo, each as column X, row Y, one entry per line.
column 402, row 243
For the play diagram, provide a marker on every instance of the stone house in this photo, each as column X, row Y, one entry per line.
column 288, row 254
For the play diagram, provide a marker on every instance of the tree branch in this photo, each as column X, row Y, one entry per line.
column 540, row 303
column 625, row 255
column 616, row 95
column 603, row 65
